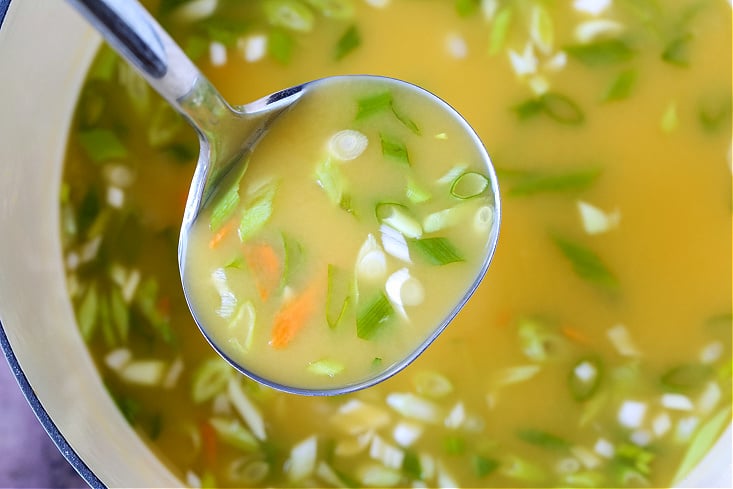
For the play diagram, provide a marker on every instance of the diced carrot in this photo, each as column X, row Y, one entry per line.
column 504, row 317
column 265, row 264
column 222, row 233
column 293, row 316
column 575, row 335
column 208, row 442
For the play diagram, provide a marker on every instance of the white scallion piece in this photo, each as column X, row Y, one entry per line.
column 661, row 424
column 709, row 398
column 246, row 409
column 593, row 7
column 72, row 261
column 621, row 340
column 130, row 286
column 302, row 460
column 221, row 405
column 347, row 145
column 195, row 10
column 373, row 475
column 397, row 218
column 406, row 433
column 557, row 62
column 596, row 220
column 676, row 402
column 404, row 290
column 89, row 250
column 445, row 478
column 326, row 474
column 118, row 175
column 351, row 446
column 173, row 374
column 217, row 54
column 371, row 262
column 686, row 428
column 590, row 30
column 414, row 407
column 356, row 416
column 377, row 3
column 585, row 371
column 432, row 384
column 450, row 176
column 711, row 352
column 604, row 448
column 193, row 480
column 541, row 30
column 228, row 301
column 143, row 372
column 585, row 456
column 242, row 325
column 394, row 243
column 514, row 375
column 389, row 455
column 456, row 46
column 441, row 219
column 631, row 413
column 567, row 465
column 117, row 359
column 525, row 63
column 489, row 8
column 456, row 417
column 253, row 48
column 641, row 438
column 539, row 85
column 115, row 197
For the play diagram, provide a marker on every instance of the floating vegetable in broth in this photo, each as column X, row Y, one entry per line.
column 597, row 352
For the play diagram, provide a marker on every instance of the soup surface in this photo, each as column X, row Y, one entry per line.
column 596, row 352
column 360, row 222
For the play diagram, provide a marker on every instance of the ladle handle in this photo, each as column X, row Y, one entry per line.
column 130, row 29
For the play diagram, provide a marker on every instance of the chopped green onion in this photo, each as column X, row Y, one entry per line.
column 226, row 202
column 442, row 219
column 164, row 125
column 529, row 108
column 398, row 217
column 702, row 442
column 432, row 384
column 104, row 65
column 338, row 297
column 291, row 14
column 466, row 7
column 209, row 379
column 411, row 465
column 584, row 378
column 500, row 30
column 196, row 46
column 326, row 366
column 293, row 258
column 233, row 433
column 621, row 87
column 224, row 30
column 257, row 212
column 347, row 144
column 561, row 108
column 415, row 193
column 102, row 145
column 395, row 149
column 280, row 44
column 331, row 180
column 677, row 52
column 302, row 461
column 586, row 264
column 119, row 314
column 437, row 250
column 527, row 183
column 454, row 445
column 670, row 120
column 542, row 31
column 349, row 41
column 335, row 9
column 372, row 317
column 88, row 312
column 406, row 121
column 242, row 326
column 543, row 439
column 143, row 372
column 368, row 106
column 686, row 377
column 146, row 300
column 603, row 52
column 483, row 466
column 537, row 339
column 247, row 472
column 520, row 469
column 469, row 185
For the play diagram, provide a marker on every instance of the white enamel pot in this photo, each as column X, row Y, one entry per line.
column 45, row 49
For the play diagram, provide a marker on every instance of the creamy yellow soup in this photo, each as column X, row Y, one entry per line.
column 597, row 351
column 357, row 228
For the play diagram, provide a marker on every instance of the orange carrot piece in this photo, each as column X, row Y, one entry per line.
column 222, row 233
column 208, row 442
column 265, row 264
column 575, row 335
column 293, row 316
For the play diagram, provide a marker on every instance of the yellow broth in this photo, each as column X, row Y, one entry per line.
column 361, row 220
column 584, row 359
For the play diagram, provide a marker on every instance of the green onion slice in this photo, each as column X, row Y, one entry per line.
column 349, row 41
column 373, row 104
column 102, row 145
column 398, row 217
column 584, row 378
column 469, row 185
column 338, row 298
column 326, row 366
column 373, row 317
column 291, row 14
column 437, row 251
column 335, row 9
column 258, row 211
column 226, row 201
column 394, row 149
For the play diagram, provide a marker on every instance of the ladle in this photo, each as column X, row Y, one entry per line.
column 227, row 134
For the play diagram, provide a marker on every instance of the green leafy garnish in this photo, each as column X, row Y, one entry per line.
column 677, row 52
column 454, row 445
column 543, row 439
column 715, row 113
column 411, row 466
column 466, row 7
column 554, row 105
column 630, row 463
column 394, row 149
column 469, row 185
column 373, row 316
column 331, row 180
column 225, row 30
column 524, row 183
column 586, row 263
column 599, row 53
column 102, row 145
column 257, row 211
column 582, row 388
column 702, row 442
column 291, row 14
column 280, row 45
column 335, row 9
column 232, row 432
column 621, row 86
column 226, row 202
column 292, row 258
column 210, row 378
column 338, row 297
column 483, row 466
column 349, row 40
column 383, row 101
column 686, row 377
column 500, row 30
column 437, row 251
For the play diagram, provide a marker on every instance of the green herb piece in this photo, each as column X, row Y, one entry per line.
column 715, row 113
column 372, row 317
column 586, row 264
column 102, row 145
column 88, row 312
column 670, row 119
column 416, row 193
column 411, row 465
column 466, row 7
column 326, row 366
column 257, row 212
column 164, row 125
column 500, row 30
column 621, row 86
column 521, row 469
column 528, row 108
column 104, row 64
column 280, row 45
column 599, row 53
column 330, row 178
column 556, row 106
column 702, row 442
column 585, row 478
column 584, row 378
column 432, row 384
column 526, row 183
column 483, row 466
column 349, row 40
column 226, row 201
column 368, row 106
column 454, row 445
column 686, row 377
column 677, row 51
column 398, row 217
column 376, row 362
column 209, row 379
column 130, row 408
column 469, row 185
column 335, row 9
column 538, row 340
column 394, row 149
column 292, row 259
column 232, row 432
column 291, row 14
column 437, row 251
column 196, row 47
column 338, row 297
column 543, row 439
column 631, row 464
